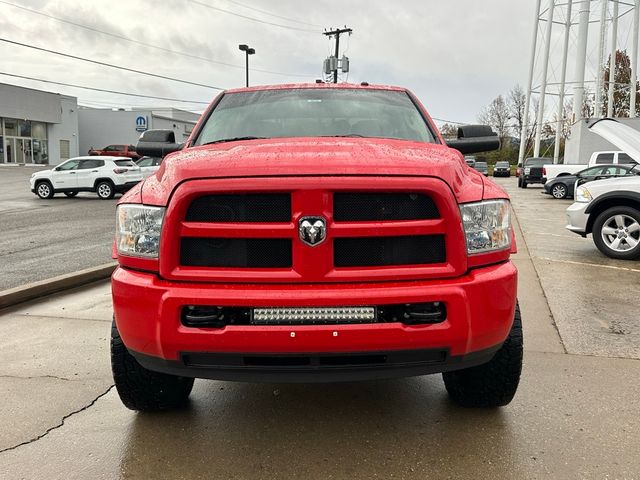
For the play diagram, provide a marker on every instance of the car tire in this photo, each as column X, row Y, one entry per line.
column 492, row 384
column 141, row 389
column 610, row 228
column 71, row 194
column 44, row 190
column 524, row 184
column 105, row 190
column 559, row 191
column 519, row 182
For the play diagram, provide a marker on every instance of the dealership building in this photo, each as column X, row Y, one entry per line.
column 99, row 127
column 38, row 127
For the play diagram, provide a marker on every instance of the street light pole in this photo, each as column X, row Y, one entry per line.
column 248, row 51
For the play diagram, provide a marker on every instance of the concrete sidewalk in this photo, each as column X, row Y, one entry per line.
column 575, row 415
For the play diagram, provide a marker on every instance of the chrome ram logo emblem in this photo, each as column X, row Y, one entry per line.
column 312, row 230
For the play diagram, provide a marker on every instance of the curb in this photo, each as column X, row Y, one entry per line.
column 41, row 288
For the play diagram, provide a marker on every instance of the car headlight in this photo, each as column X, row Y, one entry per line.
column 138, row 230
column 583, row 195
column 487, row 225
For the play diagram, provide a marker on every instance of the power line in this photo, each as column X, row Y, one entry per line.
column 273, row 14
column 141, row 72
column 253, row 19
column 148, row 45
column 102, row 89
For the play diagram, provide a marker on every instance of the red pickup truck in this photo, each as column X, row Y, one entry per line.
column 116, row 151
column 315, row 233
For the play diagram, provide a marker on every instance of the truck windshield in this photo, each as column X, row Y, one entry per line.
column 315, row 112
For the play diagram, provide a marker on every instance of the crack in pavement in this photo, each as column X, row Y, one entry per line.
column 38, row 377
column 55, row 427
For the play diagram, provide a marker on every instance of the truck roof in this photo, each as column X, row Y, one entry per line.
column 289, row 86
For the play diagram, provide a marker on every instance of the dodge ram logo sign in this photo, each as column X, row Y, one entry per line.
column 312, row 230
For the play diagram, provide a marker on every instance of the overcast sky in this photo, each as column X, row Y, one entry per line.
column 456, row 55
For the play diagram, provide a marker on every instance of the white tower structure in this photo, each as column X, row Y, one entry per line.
column 573, row 42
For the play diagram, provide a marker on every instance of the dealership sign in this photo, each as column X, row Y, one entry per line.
column 142, row 123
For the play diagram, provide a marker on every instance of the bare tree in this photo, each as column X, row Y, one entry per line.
column 497, row 115
column 449, row 130
column 516, row 102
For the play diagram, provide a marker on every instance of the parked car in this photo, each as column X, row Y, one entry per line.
column 610, row 209
column 502, row 169
column 552, row 171
column 275, row 268
column 564, row 186
column 482, row 167
column 128, row 151
column 532, row 171
column 105, row 176
column 470, row 160
column 148, row 165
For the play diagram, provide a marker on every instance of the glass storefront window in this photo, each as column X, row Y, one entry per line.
column 40, row 154
column 10, row 127
column 39, row 130
column 24, row 128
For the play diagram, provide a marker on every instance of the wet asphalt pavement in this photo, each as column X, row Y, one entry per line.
column 41, row 239
column 575, row 414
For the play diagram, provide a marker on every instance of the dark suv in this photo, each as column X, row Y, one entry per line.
column 532, row 171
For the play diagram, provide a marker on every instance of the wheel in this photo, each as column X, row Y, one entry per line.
column 142, row 389
column 44, row 190
column 495, row 383
column 559, row 190
column 71, row 194
column 105, row 190
column 524, row 184
column 519, row 182
column 616, row 233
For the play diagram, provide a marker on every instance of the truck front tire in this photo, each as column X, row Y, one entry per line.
column 141, row 389
column 492, row 384
column 616, row 233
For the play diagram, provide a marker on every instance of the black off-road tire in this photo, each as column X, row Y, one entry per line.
column 605, row 217
column 524, row 184
column 141, row 389
column 105, row 190
column 44, row 190
column 492, row 384
column 71, row 194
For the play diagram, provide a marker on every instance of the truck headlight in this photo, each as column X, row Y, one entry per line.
column 487, row 225
column 583, row 195
column 138, row 230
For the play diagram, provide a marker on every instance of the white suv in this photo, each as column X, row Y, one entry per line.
column 104, row 175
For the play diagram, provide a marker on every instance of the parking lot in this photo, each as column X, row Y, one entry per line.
column 575, row 415
column 46, row 238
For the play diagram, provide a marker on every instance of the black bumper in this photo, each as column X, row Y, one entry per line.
column 125, row 186
column 314, row 367
column 540, row 180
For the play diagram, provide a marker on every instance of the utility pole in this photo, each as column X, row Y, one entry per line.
column 334, row 66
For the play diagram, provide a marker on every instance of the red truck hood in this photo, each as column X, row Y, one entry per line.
column 312, row 156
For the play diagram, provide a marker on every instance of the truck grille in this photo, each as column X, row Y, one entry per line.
column 272, row 207
column 236, row 252
column 400, row 228
column 379, row 251
column 360, row 207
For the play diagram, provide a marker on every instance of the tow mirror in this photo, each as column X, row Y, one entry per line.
column 157, row 143
column 474, row 139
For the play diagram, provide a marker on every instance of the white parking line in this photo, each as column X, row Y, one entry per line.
column 589, row 264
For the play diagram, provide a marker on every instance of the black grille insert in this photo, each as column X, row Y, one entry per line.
column 250, row 207
column 362, row 207
column 381, row 251
column 236, row 252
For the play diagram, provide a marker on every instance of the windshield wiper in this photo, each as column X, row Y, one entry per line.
column 234, row 139
column 357, row 135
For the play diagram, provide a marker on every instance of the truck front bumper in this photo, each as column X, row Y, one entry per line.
column 577, row 218
column 480, row 310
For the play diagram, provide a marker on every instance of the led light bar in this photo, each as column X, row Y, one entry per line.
column 313, row 315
